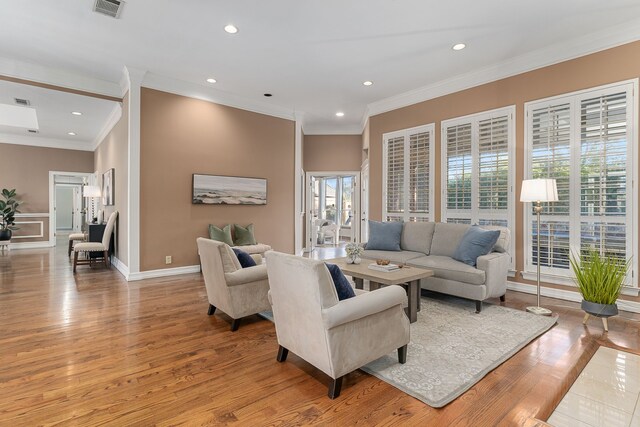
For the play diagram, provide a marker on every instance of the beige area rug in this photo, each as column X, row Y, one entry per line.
column 452, row 347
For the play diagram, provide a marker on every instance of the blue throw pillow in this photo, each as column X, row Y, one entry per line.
column 384, row 236
column 244, row 258
column 341, row 283
column 475, row 242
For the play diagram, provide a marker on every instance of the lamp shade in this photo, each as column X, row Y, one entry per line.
column 91, row 191
column 539, row 190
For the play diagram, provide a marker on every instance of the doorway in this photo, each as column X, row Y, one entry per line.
column 364, row 203
column 66, row 203
column 333, row 202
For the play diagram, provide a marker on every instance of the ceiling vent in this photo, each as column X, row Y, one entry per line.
column 33, row 131
column 111, row 8
column 23, row 102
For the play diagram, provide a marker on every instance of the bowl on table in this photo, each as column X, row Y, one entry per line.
column 383, row 261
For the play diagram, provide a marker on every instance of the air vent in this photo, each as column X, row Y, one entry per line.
column 111, row 8
column 24, row 102
column 33, row 131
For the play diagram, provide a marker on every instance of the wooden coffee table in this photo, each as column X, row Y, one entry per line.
column 407, row 277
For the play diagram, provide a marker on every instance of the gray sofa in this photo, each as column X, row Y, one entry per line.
column 430, row 245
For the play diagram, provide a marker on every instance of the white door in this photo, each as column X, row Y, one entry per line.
column 312, row 213
column 77, row 209
column 364, row 203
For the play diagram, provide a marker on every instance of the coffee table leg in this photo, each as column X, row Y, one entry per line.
column 373, row 285
column 419, row 295
column 359, row 282
column 414, row 295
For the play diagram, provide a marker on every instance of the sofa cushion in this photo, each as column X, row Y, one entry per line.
column 446, row 238
column 396, row 257
column 504, row 241
column 384, row 236
column 243, row 235
column 475, row 242
column 258, row 248
column 244, row 258
column 343, row 288
column 445, row 267
column 417, row 236
column 221, row 234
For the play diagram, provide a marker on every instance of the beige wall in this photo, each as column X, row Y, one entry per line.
column 113, row 152
column 181, row 136
column 26, row 169
column 332, row 153
column 601, row 68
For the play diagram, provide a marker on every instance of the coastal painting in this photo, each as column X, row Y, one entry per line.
column 228, row 190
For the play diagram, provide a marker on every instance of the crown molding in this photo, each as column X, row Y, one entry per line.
column 37, row 141
column 561, row 52
column 112, row 120
column 52, row 76
column 332, row 130
column 192, row 90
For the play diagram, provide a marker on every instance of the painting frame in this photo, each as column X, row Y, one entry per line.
column 108, row 190
column 207, row 189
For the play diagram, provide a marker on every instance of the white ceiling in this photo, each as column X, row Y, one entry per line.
column 55, row 120
column 311, row 55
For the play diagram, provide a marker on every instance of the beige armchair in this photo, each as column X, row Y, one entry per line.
column 237, row 291
column 101, row 248
column 335, row 336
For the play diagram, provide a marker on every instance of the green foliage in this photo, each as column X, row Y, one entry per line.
column 599, row 277
column 8, row 209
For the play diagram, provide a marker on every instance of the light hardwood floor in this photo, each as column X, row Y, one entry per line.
column 92, row 349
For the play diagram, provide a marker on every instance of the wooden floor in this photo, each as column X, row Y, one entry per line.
column 92, row 349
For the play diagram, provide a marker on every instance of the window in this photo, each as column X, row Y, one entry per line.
column 408, row 174
column 477, row 169
column 584, row 140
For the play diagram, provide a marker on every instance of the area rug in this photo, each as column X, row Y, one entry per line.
column 452, row 347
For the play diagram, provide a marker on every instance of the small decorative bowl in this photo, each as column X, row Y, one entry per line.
column 382, row 261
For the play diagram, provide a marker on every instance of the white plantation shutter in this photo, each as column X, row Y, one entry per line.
column 478, row 165
column 584, row 141
column 408, row 174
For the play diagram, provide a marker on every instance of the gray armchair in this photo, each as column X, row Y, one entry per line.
column 237, row 291
column 335, row 336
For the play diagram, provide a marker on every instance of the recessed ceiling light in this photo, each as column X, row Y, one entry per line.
column 210, row 80
column 231, row 29
column 71, row 133
column 76, row 113
column 268, row 95
column 459, row 46
column 367, row 83
column 340, row 114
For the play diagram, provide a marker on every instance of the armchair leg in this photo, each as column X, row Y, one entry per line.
column 70, row 247
column 75, row 261
column 402, row 354
column 478, row 306
column 235, row 325
column 282, row 354
column 503, row 298
column 212, row 309
column 106, row 259
column 335, row 387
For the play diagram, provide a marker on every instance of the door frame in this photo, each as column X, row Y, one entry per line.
column 364, row 202
column 52, row 199
column 309, row 243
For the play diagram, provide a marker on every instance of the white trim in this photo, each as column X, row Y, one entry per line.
column 31, row 245
column 568, row 281
column 109, row 124
column 32, row 215
column 333, row 130
column 34, row 236
column 120, row 266
column 192, row 90
column 625, row 305
column 298, row 187
column 190, row 269
column 554, row 54
column 405, row 134
column 39, row 141
column 53, row 76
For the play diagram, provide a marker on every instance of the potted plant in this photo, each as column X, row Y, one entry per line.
column 600, row 279
column 354, row 251
column 8, row 209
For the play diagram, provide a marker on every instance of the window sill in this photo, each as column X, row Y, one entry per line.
column 567, row 281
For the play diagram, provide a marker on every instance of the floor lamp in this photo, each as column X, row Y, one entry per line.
column 537, row 191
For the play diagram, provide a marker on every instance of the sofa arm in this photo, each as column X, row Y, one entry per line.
column 246, row 275
column 496, row 267
column 257, row 258
column 363, row 305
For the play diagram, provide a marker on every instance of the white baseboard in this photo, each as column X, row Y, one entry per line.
column 631, row 306
column 31, row 245
column 121, row 267
column 163, row 272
